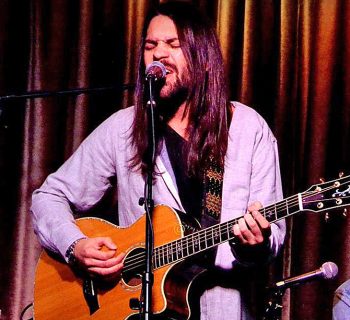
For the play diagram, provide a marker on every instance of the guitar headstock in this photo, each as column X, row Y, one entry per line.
column 328, row 195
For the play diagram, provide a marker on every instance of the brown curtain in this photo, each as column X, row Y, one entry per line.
column 287, row 59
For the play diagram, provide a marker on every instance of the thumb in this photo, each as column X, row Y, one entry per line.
column 107, row 242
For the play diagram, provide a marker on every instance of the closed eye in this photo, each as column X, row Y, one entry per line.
column 149, row 45
column 172, row 43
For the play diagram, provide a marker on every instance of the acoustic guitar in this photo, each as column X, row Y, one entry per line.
column 62, row 292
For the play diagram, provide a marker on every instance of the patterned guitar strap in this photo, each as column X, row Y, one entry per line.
column 212, row 192
column 213, row 184
column 211, row 203
column 212, row 197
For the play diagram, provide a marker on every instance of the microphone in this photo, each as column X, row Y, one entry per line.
column 328, row 270
column 155, row 71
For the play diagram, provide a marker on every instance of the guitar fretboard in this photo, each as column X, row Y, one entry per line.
column 321, row 197
column 210, row 237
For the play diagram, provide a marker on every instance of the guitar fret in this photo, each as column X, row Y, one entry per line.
column 154, row 259
column 192, row 245
column 165, row 255
column 159, row 253
column 224, row 233
column 196, row 244
column 158, row 258
column 228, row 230
column 269, row 214
column 184, row 246
column 275, row 206
column 216, row 238
column 176, row 251
column 179, row 249
column 173, row 253
column 169, row 252
column 188, row 252
column 161, row 257
column 209, row 240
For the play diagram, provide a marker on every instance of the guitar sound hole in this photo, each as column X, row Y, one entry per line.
column 134, row 267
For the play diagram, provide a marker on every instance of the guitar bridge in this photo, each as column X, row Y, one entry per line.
column 90, row 295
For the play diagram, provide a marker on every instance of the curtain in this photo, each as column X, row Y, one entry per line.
column 286, row 59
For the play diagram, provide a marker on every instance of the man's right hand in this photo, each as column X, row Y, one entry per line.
column 98, row 257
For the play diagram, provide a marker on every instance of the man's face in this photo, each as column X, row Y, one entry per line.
column 162, row 44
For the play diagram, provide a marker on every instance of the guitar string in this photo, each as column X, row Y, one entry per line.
column 196, row 239
column 188, row 241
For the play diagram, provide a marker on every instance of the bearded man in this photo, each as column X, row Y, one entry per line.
column 198, row 129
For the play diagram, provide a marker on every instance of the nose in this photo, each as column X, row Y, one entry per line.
column 161, row 51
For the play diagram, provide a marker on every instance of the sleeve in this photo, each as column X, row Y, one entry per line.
column 265, row 187
column 79, row 183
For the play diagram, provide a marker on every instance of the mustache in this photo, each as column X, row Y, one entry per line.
column 169, row 65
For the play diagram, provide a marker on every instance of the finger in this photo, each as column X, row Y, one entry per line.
column 91, row 262
column 238, row 234
column 254, row 229
column 263, row 223
column 255, row 206
column 260, row 219
column 246, row 233
column 105, row 241
column 114, row 270
column 241, row 232
column 94, row 253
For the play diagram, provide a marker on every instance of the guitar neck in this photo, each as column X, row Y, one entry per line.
column 318, row 198
column 205, row 239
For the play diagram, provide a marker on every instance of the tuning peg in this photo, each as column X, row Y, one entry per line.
column 326, row 217
column 341, row 173
column 345, row 212
column 322, row 180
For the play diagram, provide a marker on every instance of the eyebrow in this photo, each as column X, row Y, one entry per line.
column 166, row 40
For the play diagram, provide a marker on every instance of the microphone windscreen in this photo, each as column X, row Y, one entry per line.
column 156, row 69
column 329, row 270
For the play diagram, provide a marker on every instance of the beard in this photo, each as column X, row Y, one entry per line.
column 175, row 88
column 173, row 94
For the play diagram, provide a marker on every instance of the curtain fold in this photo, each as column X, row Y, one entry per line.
column 287, row 59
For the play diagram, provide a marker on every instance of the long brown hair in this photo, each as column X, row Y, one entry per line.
column 207, row 98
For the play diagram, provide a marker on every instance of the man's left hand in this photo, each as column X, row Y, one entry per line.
column 252, row 229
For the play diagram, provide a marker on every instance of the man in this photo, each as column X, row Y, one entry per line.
column 196, row 126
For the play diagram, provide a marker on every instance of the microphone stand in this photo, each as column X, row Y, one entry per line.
column 147, row 281
column 46, row 94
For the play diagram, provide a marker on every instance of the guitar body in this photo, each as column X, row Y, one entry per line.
column 59, row 290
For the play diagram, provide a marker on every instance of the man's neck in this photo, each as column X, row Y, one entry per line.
column 179, row 122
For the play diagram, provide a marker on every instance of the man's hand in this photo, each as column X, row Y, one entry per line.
column 98, row 257
column 253, row 228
